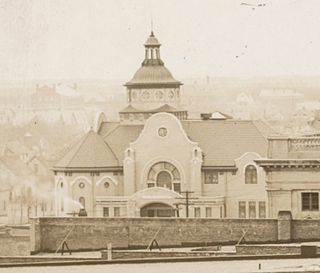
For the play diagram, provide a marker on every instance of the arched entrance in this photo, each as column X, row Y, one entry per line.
column 157, row 210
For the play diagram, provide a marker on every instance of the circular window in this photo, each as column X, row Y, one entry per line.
column 106, row 185
column 145, row 95
column 134, row 95
column 162, row 132
column 81, row 185
column 159, row 95
column 171, row 95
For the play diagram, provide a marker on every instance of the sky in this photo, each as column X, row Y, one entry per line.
column 103, row 39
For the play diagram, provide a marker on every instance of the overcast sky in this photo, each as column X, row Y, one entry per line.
column 104, row 39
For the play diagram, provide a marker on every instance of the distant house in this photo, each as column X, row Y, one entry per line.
column 25, row 189
column 46, row 98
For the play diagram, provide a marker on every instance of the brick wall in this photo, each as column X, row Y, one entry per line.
column 94, row 233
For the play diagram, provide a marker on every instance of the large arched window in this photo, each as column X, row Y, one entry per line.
column 164, row 180
column 251, row 176
column 164, row 174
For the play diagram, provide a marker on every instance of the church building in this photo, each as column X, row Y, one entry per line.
column 155, row 162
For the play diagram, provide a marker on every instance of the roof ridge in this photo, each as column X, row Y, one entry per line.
column 76, row 152
column 111, row 131
column 255, row 125
column 115, row 156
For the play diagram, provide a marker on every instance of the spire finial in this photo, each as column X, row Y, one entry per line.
column 152, row 27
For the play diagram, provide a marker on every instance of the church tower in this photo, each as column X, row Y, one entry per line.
column 153, row 88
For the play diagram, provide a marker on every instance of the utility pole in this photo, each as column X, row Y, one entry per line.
column 187, row 199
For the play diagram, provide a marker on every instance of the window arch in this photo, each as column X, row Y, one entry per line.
column 160, row 166
column 251, row 176
column 166, row 175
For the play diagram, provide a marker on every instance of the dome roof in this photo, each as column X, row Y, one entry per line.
column 152, row 41
column 157, row 74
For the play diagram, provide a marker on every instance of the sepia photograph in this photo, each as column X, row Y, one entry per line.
column 148, row 136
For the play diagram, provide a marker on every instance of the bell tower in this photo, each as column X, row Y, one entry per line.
column 153, row 85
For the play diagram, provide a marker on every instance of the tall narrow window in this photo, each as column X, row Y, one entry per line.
column 262, row 209
column 82, row 201
column 116, row 211
column 177, row 187
column 196, row 212
column 105, row 212
column 310, row 201
column 242, row 209
column 251, row 175
column 252, row 209
column 208, row 212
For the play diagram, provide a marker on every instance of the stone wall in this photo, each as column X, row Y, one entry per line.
column 306, row 230
column 14, row 245
column 90, row 233
column 268, row 249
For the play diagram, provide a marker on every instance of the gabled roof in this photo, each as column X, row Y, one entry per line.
column 222, row 141
column 89, row 152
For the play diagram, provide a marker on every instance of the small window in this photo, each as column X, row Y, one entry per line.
column 208, row 212
column 177, row 187
column 151, row 185
column 211, row 177
column 116, row 211
column 242, row 209
column 105, row 212
column 310, row 201
column 82, row 201
column 251, row 175
column 252, row 209
column 106, row 185
column 262, row 209
column 196, row 212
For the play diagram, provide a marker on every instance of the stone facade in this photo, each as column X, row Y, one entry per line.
column 96, row 232
column 293, row 171
column 158, row 163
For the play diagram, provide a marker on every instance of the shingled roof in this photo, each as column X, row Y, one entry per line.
column 90, row 152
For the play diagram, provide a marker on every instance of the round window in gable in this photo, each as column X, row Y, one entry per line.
column 106, row 185
column 162, row 132
column 81, row 185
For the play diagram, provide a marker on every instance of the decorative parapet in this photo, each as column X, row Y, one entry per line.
column 304, row 144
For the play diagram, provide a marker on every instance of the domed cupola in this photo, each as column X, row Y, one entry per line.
column 153, row 84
